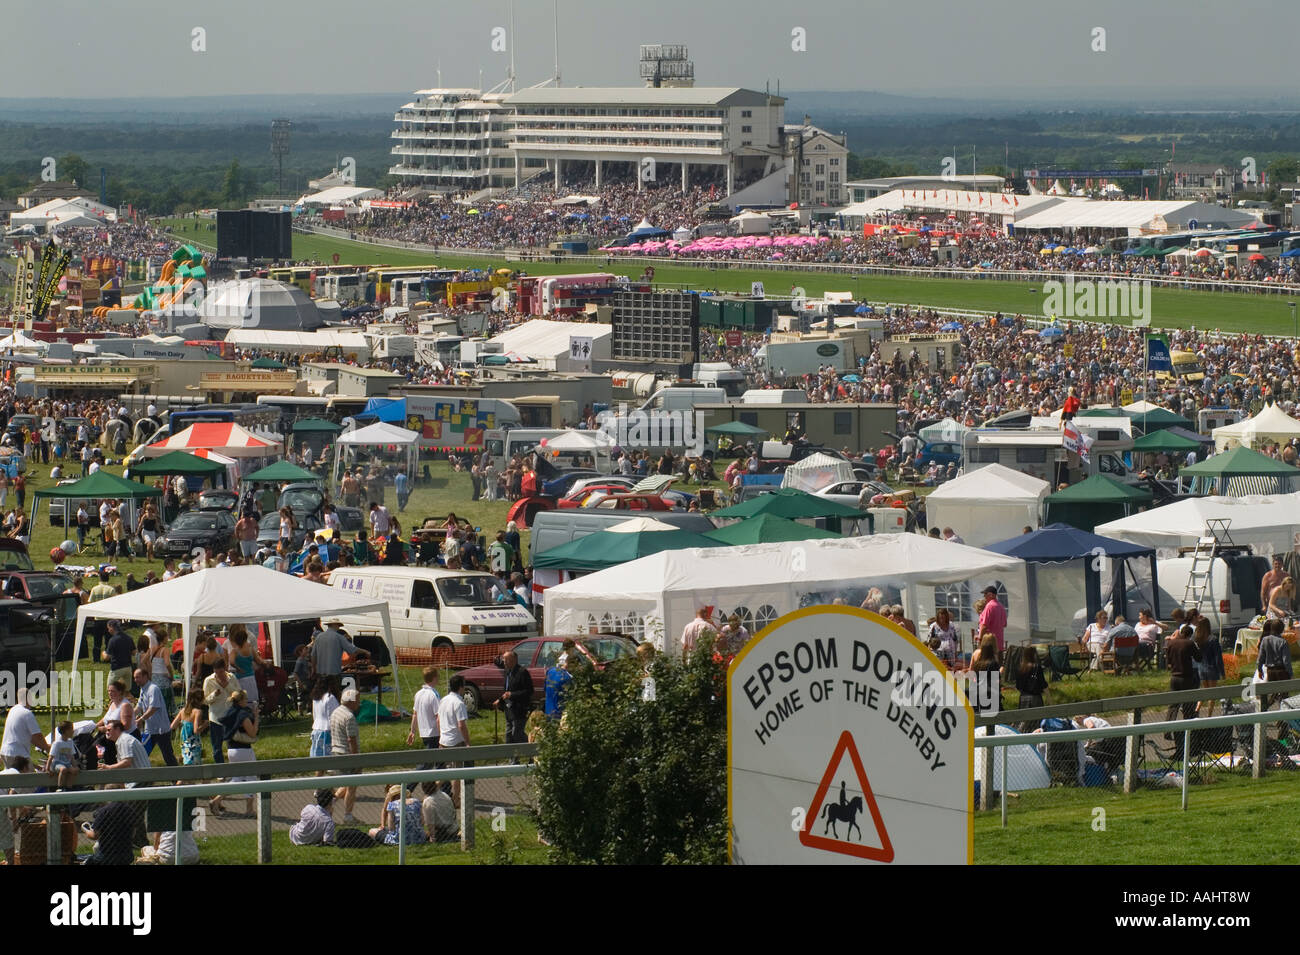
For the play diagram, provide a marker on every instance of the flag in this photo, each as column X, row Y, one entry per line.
column 1076, row 441
column 1158, row 356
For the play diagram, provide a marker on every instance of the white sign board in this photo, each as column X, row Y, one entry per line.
column 580, row 348
column 847, row 741
column 756, row 290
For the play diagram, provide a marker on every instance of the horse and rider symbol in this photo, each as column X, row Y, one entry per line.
column 846, row 811
column 830, row 813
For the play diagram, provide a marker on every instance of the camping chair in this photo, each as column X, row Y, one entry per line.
column 1121, row 655
column 1058, row 660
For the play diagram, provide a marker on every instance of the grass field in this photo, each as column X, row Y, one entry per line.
column 1170, row 308
column 1234, row 821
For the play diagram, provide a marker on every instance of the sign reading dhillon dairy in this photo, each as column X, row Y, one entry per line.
column 847, row 741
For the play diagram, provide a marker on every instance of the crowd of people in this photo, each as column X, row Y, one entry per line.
column 535, row 217
column 1099, row 363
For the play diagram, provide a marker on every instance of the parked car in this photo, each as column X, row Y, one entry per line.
column 218, row 499
column 213, row 531
column 24, row 635
column 19, row 421
column 268, row 532
column 306, row 499
column 46, row 589
column 940, row 452
column 14, row 555
column 484, row 684
column 849, row 493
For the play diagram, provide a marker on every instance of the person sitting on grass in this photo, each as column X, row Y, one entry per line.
column 315, row 825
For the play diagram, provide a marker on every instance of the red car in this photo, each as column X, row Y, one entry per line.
column 485, row 684
column 579, row 497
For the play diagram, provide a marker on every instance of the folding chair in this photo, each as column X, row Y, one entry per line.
column 1058, row 658
column 1121, row 656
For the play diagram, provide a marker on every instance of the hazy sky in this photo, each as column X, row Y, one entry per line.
column 144, row 47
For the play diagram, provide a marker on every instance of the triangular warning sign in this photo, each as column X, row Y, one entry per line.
column 845, row 818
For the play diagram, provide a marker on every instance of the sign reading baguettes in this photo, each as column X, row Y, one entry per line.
column 847, row 741
column 247, row 380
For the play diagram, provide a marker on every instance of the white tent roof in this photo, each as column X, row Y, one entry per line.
column 18, row 340
column 580, row 441
column 378, row 434
column 666, row 590
column 247, row 595
column 638, row 524
column 816, row 472
column 311, row 342
column 987, row 504
column 1075, row 213
column 339, row 194
column 949, row 429
column 1265, row 523
column 1141, row 407
column 946, row 200
column 1270, row 425
column 547, row 342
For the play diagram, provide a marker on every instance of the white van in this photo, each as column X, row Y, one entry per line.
column 774, row 396
column 431, row 607
column 1232, row 594
column 683, row 398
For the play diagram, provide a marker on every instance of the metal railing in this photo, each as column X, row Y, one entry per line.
column 169, row 783
column 1131, row 734
column 829, row 268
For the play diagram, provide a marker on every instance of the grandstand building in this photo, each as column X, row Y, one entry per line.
column 453, row 140
column 669, row 130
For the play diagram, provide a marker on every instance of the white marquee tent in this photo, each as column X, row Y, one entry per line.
column 1272, row 424
column 656, row 596
column 816, row 472
column 988, row 504
column 229, row 595
column 1269, row 524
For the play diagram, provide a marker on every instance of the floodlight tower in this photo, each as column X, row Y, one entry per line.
column 280, row 148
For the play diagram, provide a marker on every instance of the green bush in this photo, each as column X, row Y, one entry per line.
column 629, row 782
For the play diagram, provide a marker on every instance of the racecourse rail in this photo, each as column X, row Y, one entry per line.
column 513, row 254
column 174, row 777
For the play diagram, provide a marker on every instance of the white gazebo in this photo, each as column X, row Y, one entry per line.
column 1271, row 425
column 378, row 435
column 221, row 596
column 988, row 504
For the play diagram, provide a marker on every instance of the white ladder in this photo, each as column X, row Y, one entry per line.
column 1207, row 548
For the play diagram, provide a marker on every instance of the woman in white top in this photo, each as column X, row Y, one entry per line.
column 120, row 708
column 1097, row 638
column 1148, row 631
column 323, row 705
column 943, row 636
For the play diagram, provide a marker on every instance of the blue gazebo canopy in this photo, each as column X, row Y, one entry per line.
column 1056, row 543
column 1061, row 544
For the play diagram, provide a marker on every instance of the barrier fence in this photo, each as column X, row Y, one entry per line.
column 829, row 268
column 487, row 783
column 1030, row 768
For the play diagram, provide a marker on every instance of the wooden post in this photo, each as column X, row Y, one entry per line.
column 53, row 835
column 263, row 828
column 1257, row 763
column 467, row 813
column 986, row 783
column 1130, row 763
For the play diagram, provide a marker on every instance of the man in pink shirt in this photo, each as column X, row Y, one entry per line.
column 692, row 632
column 993, row 617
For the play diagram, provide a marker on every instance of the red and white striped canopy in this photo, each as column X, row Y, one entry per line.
column 223, row 437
